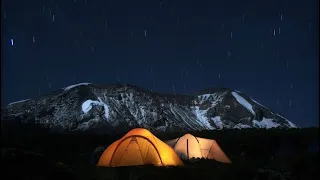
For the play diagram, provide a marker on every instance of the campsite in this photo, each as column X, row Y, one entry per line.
column 160, row 90
column 253, row 154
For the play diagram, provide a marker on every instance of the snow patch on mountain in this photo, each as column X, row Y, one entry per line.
column 75, row 85
column 19, row 101
column 179, row 114
column 217, row 121
column 106, row 108
column 243, row 102
column 214, row 98
column 88, row 104
column 143, row 112
column 241, row 126
column 290, row 123
column 204, row 97
column 201, row 116
column 189, row 119
column 265, row 123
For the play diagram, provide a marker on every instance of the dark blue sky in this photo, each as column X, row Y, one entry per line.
column 267, row 49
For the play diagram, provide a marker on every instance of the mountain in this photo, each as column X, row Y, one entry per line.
column 120, row 107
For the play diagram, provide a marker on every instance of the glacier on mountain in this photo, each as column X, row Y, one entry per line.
column 88, row 104
column 243, row 102
column 75, row 85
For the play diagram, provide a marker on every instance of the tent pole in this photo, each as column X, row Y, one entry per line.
column 209, row 150
column 143, row 160
column 187, row 148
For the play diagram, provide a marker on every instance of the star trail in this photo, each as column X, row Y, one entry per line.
column 265, row 49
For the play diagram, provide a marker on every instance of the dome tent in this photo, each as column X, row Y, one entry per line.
column 139, row 147
column 189, row 146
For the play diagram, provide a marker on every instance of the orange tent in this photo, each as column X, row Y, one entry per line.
column 189, row 146
column 139, row 147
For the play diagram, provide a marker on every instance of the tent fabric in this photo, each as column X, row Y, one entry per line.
column 139, row 147
column 189, row 146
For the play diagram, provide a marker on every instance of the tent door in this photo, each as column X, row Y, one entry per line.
column 130, row 150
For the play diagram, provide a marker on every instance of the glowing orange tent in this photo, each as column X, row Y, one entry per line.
column 189, row 146
column 139, row 147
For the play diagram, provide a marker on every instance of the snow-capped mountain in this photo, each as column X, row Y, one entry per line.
column 108, row 108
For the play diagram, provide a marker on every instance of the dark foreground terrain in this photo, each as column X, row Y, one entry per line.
column 256, row 154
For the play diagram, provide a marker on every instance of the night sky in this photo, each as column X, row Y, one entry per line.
column 267, row 49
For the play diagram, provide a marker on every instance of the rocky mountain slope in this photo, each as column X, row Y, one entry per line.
column 89, row 107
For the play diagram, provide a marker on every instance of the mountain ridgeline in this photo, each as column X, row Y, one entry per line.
column 118, row 108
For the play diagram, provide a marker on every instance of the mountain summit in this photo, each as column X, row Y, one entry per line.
column 119, row 107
